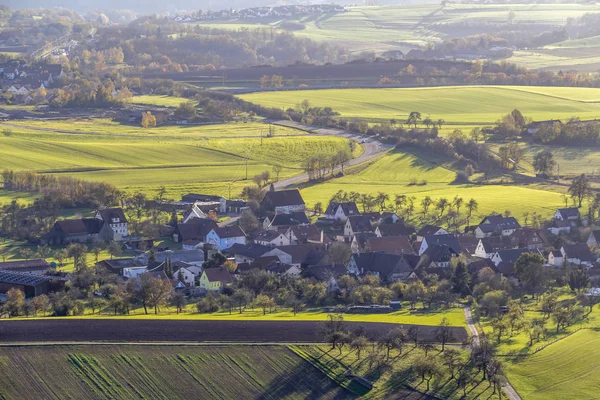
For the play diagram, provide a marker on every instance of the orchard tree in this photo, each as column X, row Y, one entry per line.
column 579, row 189
column 543, row 162
column 529, row 269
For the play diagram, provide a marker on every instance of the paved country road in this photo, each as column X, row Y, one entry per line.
column 511, row 393
column 137, row 330
column 373, row 148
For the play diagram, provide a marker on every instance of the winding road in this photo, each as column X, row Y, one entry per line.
column 373, row 148
column 510, row 392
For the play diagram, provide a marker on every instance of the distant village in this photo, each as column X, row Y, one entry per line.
column 23, row 82
column 261, row 12
column 210, row 256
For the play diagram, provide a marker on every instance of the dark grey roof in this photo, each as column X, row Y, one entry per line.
column 305, row 233
column 24, row 265
column 83, row 226
column 220, row 274
column 229, row 231
column 324, row 272
column 360, row 223
column 495, row 243
column 248, row 250
column 24, row 279
column 282, row 198
column 303, row 253
column 196, row 228
column 439, row 253
column 349, row 208
column 291, row 219
column 390, row 245
column 480, row 264
column 382, row 263
column 512, row 255
column 109, row 214
column 181, row 255
column 579, row 251
column 398, row 229
column 267, row 235
column 493, row 223
column 205, row 198
column 428, row 230
column 449, row 240
column 567, row 213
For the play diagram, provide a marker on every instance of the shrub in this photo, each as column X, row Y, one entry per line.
column 207, row 305
column 461, row 177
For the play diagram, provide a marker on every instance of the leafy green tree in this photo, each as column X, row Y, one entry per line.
column 413, row 118
column 543, row 162
column 579, row 189
column 578, row 279
column 529, row 269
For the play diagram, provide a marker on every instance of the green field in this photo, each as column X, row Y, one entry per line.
column 568, row 369
column 392, row 174
column 167, row 101
column 160, row 372
column 454, row 315
column 205, row 158
column 470, row 105
column 405, row 26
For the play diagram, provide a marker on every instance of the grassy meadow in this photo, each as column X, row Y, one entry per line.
column 167, row 101
column 568, row 369
column 459, row 105
column 393, row 173
column 404, row 26
column 160, row 372
column 205, row 158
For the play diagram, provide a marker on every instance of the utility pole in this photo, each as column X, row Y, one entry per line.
column 558, row 172
column 246, row 168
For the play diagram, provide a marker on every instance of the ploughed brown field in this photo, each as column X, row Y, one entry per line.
column 119, row 330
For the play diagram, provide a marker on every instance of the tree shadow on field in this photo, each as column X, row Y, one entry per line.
column 306, row 381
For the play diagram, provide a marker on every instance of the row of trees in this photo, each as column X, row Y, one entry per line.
column 65, row 191
column 320, row 165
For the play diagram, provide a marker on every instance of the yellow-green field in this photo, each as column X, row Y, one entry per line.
column 392, row 174
column 568, row 369
column 466, row 105
column 207, row 158
column 402, row 26
column 455, row 316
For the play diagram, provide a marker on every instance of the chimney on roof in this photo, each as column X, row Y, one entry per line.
column 272, row 188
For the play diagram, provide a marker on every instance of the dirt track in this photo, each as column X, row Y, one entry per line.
column 69, row 330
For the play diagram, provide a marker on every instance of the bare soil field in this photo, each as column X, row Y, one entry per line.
column 83, row 330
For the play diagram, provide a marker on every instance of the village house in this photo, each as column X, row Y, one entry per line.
column 329, row 274
column 341, row 211
column 247, row 253
column 283, row 201
column 449, row 240
column 193, row 212
column 215, row 279
column 388, row 217
column 192, row 258
column 529, row 238
column 300, row 255
column 494, row 225
column 73, row 231
column 397, row 229
column 430, row 230
column 570, row 215
column 389, row 244
column 304, row 234
column 115, row 225
column 286, row 220
column 195, row 229
column 37, row 266
column 508, row 256
column 578, row 254
column 358, row 243
column 271, row 238
column 534, row 127
column 594, row 239
column 218, row 203
column 468, row 244
column 31, row 285
column 437, row 256
column 118, row 265
column 558, row 226
column 487, row 247
column 357, row 224
column 556, row 258
column 389, row 267
column 225, row 237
